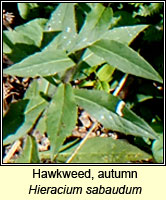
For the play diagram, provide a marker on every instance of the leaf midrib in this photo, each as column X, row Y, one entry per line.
column 61, row 114
column 137, row 66
column 92, row 102
column 22, row 68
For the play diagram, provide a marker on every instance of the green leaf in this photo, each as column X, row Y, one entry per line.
column 108, row 110
column 105, row 150
column 124, row 34
column 157, row 149
column 10, row 39
column 102, row 85
column 125, row 59
column 41, row 126
column 143, row 97
column 25, row 9
column 105, row 73
column 24, row 40
column 14, row 118
column 39, row 85
column 96, row 24
column 30, row 115
column 62, row 19
column 44, row 63
column 33, row 30
column 61, row 117
column 30, row 152
column 85, row 83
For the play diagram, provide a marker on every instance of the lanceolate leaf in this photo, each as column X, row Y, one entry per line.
column 31, row 114
column 24, row 40
column 14, row 118
column 105, row 150
column 10, row 39
column 61, row 117
column 96, row 24
column 33, row 30
column 108, row 110
column 125, row 59
column 44, row 63
column 30, row 152
column 124, row 34
column 63, row 19
column 27, row 118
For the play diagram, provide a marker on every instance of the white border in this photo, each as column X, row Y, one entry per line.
column 88, row 164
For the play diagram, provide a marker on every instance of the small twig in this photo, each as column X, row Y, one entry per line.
column 10, row 94
column 120, row 85
column 12, row 151
column 81, row 143
column 8, row 19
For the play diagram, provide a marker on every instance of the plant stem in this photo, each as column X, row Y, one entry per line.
column 69, row 160
column 13, row 149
